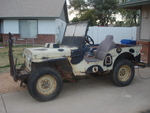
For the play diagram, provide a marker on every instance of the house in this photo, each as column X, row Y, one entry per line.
column 144, row 39
column 43, row 20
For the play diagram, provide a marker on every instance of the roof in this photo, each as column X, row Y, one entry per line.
column 134, row 4
column 31, row 8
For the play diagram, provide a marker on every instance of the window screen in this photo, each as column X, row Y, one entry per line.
column 28, row 28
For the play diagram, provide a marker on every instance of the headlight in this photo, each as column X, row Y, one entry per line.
column 29, row 57
column 23, row 55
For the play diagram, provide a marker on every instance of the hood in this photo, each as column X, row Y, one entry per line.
column 43, row 53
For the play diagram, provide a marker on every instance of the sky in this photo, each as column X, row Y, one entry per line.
column 72, row 15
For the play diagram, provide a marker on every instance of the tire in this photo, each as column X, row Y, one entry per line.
column 123, row 73
column 44, row 84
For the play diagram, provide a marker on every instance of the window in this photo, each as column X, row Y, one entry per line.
column 28, row 28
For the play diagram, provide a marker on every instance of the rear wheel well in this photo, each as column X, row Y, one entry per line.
column 127, row 56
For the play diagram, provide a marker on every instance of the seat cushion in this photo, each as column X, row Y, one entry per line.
column 91, row 59
column 103, row 48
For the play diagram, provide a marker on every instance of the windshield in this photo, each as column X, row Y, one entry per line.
column 75, row 34
column 76, row 30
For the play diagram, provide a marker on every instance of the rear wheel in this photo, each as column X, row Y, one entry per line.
column 123, row 73
column 45, row 84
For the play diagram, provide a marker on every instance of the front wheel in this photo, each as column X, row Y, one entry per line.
column 44, row 84
column 123, row 73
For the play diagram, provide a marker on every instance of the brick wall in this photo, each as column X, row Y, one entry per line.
column 145, row 54
column 40, row 40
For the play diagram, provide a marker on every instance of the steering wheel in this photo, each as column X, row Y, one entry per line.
column 89, row 40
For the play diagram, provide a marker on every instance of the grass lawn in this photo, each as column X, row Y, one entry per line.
column 4, row 59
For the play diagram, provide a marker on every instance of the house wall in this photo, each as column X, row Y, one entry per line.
column 145, row 34
column 145, row 23
column 64, row 14
column 49, row 31
column 60, row 28
column 99, row 33
column 46, row 27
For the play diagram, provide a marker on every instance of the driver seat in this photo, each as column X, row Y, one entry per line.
column 102, row 50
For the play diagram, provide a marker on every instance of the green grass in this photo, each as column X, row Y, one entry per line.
column 4, row 59
column 5, row 66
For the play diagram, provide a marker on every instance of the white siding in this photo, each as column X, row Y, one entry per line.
column 11, row 26
column 46, row 27
column 60, row 28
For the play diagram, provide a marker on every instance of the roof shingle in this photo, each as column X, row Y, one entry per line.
column 31, row 8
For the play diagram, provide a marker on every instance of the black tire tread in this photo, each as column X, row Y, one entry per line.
column 34, row 76
column 114, row 73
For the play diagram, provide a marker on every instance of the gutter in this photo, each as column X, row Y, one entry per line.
column 28, row 17
column 133, row 3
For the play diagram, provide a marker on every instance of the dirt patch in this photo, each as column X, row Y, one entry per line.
column 7, row 84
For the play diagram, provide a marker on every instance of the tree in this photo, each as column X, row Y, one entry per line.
column 77, row 6
column 131, row 16
column 75, row 19
column 105, row 10
column 99, row 12
column 87, row 15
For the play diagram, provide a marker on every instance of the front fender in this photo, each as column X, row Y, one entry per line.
column 48, row 59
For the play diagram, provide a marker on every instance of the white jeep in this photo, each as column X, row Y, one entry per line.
column 46, row 67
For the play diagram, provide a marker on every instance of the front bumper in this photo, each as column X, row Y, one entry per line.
column 20, row 74
column 17, row 74
column 23, row 73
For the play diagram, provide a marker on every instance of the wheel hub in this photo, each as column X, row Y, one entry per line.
column 124, row 73
column 46, row 85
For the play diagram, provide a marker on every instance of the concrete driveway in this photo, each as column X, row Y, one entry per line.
column 94, row 95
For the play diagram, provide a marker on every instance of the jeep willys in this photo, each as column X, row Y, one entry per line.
column 45, row 67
